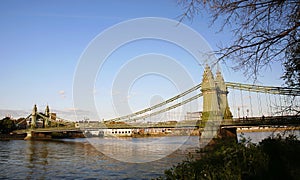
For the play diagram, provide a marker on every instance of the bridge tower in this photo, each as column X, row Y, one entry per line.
column 47, row 111
column 33, row 116
column 222, row 96
column 209, row 91
column 214, row 92
column 47, row 114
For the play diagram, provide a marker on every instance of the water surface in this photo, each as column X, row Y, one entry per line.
column 77, row 159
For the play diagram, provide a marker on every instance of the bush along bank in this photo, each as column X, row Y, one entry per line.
column 272, row 158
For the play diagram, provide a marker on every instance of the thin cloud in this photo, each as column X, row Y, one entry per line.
column 115, row 92
column 62, row 94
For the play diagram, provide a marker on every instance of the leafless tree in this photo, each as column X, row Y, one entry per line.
column 264, row 31
column 292, row 67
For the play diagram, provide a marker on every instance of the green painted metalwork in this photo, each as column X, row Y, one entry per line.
column 264, row 89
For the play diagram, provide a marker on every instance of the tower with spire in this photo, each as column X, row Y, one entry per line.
column 34, row 116
column 47, row 114
column 214, row 92
column 47, row 111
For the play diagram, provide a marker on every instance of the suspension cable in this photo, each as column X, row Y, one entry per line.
column 253, row 88
column 259, row 104
column 269, row 104
column 167, row 108
column 271, row 108
column 157, row 105
column 250, row 99
column 276, row 104
column 234, row 104
column 280, row 101
column 269, row 89
column 243, row 109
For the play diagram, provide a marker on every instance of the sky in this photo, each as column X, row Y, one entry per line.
column 42, row 43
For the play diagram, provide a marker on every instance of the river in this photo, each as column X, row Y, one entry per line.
column 79, row 159
column 95, row 158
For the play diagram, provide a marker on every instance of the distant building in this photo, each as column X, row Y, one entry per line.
column 193, row 116
column 53, row 116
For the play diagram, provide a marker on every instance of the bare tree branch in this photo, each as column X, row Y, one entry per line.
column 263, row 30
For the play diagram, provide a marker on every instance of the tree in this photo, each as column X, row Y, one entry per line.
column 7, row 125
column 283, row 156
column 264, row 31
column 228, row 160
column 292, row 67
column 272, row 158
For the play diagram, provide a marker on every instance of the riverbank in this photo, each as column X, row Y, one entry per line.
column 12, row 136
column 5, row 137
column 266, row 129
column 65, row 135
column 272, row 158
column 41, row 136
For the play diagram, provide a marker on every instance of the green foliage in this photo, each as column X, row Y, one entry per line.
column 271, row 159
column 7, row 125
column 284, row 157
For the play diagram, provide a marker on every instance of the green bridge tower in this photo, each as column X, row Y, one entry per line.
column 215, row 103
column 34, row 117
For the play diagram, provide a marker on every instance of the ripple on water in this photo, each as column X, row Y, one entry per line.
column 77, row 159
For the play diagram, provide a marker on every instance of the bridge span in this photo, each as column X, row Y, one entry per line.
column 100, row 129
column 215, row 107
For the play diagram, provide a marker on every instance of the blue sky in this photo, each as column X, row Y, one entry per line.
column 41, row 43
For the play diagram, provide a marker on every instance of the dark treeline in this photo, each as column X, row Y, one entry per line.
column 8, row 125
column 273, row 158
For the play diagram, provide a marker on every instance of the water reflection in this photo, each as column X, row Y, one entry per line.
column 37, row 157
column 78, row 159
column 140, row 150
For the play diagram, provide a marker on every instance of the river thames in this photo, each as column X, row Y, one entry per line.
column 81, row 159
column 77, row 159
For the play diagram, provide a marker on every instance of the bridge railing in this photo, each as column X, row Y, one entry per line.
column 268, row 120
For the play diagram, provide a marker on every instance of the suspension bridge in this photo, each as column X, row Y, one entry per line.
column 224, row 104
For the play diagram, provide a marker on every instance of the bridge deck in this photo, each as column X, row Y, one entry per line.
column 246, row 122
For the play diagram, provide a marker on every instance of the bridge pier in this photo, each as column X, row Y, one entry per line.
column 228, row 133
column 213, row 134
column 31, row 135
